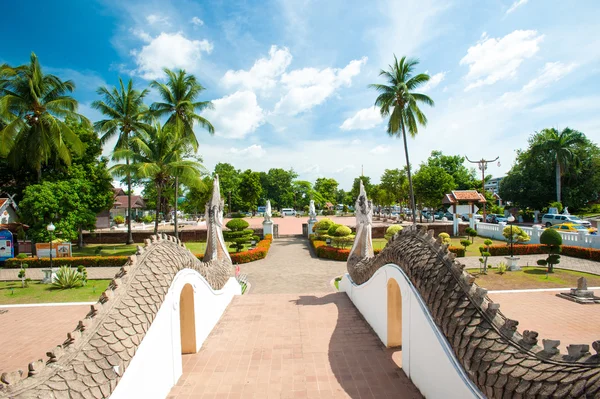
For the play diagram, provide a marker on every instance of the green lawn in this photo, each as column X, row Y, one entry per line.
column 473, row 249
column 12, row 293
column 126, row 250
column 531, row 277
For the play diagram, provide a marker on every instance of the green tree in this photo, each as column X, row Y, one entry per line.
column 431, row 183
column 155, row 155
column 125, row 111
column 277, row 186
column 454, row 165
column 229, row 180
column 560, row 146
column 33, row 106
column 327, row 187
column 250, row 190
column 196, row 198
column 303, row 193
column 356, row 187
column 180, row 105
column 400, row 103
column 395, row 185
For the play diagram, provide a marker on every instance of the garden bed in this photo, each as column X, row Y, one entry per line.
column 531, row 278
column 538, row 249
column 12, row 293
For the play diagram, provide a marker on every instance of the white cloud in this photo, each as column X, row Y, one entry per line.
column 366, row 118
column 169, row 50
column 308, row 87
column 235, row 116
column 492, row 60
column 253, row 151
column 433, row 81
column 153, row 19
column 264, row 73
column 344, row 168
column 516, row 5
column 356, row 142
column 197, row 21
column 380, row 149
column 141, row 34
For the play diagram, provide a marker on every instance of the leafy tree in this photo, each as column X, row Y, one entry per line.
column 553, row 241
column 33, row 106
column 356, row 187
column 179, row 104
column 464, row 178
column 431, row 183
column 197, row 197
column 395, row 184
column 398, row 101
column 125, row 111
column 155, row 156
column 250, row 190
column 229, row 180
column 327, row 187
column 303, row 193
column 277, row 186
column 561, row 147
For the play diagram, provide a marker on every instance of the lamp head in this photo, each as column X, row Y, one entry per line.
column 511, row 219
column 50, row 227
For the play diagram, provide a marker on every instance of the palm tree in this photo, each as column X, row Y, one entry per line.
column 179, row 103
column 33, row 107
column 156, row 155
column 559, row 146
column 125, row 111
column 398, row 101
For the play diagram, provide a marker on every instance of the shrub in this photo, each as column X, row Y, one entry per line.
column 148, row 218
column 331, row 230
column 343, row 241
column 501, row 268
column 391, row 231
column 465, row 243
column 557, row 205
column 83, row 272
column 239, row 234
column 445, row 238
column 119, row 219
column 323, row 224
column 87, row 261
column 67, row 278
column 471, row 233
column 515, row 234
column 460, row 252
column 552, row 240
column 23, row 275
column 342, row 231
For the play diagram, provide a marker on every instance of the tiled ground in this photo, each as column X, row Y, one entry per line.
column 290, row 346
column 27, row 333
column 552, row 317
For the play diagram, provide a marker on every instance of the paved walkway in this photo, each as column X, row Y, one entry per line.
column 291, row 346
column 290, row 267
column 27, row 333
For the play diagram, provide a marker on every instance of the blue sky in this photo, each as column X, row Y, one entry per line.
column 289, row 78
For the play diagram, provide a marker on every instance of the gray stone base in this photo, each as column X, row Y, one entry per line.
column 582, row 300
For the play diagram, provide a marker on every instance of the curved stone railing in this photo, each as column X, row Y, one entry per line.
column 501, row 361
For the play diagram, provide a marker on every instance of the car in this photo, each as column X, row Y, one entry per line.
column 550, row 219
column 574, row 228
column 496, row 218
column 476, row 216
column 288, row 212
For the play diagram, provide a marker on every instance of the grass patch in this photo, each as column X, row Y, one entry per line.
column 105, row 250
column 200, row 247
column 12, row 293
column 531, row 278
column 473, row 249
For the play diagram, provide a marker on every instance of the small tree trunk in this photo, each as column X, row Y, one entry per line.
column 158, row 194
column 129, row 234
column 558, row 188
column 410, row 184
column 176, row 195
column 80, row 240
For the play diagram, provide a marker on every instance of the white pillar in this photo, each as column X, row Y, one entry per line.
column 535, row 235
column 455, row 224
column 471, row 221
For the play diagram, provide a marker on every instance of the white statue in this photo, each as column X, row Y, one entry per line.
column 312, row 213
column 268, row 212
column 363, row 242
column 566, row 211
column 215, row 243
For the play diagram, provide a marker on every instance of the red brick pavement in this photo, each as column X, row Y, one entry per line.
column 290, row 346
column 27, row 333
column 552, row 317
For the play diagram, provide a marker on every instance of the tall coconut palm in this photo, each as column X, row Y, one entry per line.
column 33, row 107
column 156, row 155
column 125, row 111
column 181, row 106
column 559, row 146
column 400, row 103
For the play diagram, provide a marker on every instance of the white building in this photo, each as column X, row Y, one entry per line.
column 493, row 184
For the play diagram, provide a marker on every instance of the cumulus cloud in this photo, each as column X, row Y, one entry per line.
column 154, row 19
column 264, row 73
column 366, row 118
column 308, row 87
column 253, row 151
column 516, row 5
column 492, row 60
column 197, row 21
column 169, row 50
column 380, row 149
column 235, row 116
column 433, row 81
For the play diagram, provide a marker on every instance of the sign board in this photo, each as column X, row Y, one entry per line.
column 59, row 250
column 7, row 249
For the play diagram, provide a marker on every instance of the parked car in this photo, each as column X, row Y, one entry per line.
column 288, row 212
column 478, row 217
column 550, row 219
column 496, row 218
column 574, row 228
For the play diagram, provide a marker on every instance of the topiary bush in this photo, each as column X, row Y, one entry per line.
column 552, row 240
column 471, row 233
column 239, row 234
column 516, row 235
column 342, row 231
column 322, row 227
column 391, row 231
column 331, row 231
column 445, row 237
column 119, row 219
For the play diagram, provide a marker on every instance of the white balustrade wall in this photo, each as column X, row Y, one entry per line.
column 579, row 239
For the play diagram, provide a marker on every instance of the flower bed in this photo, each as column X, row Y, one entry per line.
column 538, row 249
column 260, row 252
column 86, row 261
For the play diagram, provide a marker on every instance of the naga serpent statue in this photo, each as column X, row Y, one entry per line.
column 499, row 360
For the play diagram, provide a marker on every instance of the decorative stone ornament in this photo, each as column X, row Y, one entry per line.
column 215, row 243
column 363, row 242
column 268, row 223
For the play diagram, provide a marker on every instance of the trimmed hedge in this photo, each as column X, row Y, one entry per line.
column 260, row 252
column 86, row 261
column 538, row 249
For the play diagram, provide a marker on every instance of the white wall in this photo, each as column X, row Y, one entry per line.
column 575, row 239
column 157, row 364
column 427, row 358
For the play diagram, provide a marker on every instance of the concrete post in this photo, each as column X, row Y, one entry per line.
column 455, row 224
column 268, row 228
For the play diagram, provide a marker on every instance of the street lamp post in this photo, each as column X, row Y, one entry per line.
column 50, row 229
column 511, row 220
column 482, row 164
